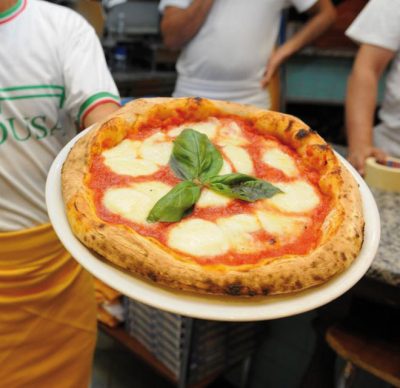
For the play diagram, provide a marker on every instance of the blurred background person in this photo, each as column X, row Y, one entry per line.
column 377, row 30
column 228, row 45
column 53, row 79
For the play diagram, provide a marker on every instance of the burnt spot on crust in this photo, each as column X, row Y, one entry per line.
column 101, row 226
column 234, row 289
column 251, row 293
column 302, row 133
column 198, row 100
column 317, row 278
column 152, row 276
column 289, row 126
column 265, row 291
column 298, row 284
column 323, row 147
column 343, row 256
column 93, row 237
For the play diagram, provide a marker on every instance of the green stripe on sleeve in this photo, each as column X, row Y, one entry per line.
column 94, row 98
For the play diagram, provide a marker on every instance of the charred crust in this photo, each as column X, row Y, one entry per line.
column 298, row 284
column 265, row 291
column 323, row 147
column 101, row 226
column 289, row 126
column 343, row 256
column 251, row 293
column 302, row 133
column 152, row 276
column 198, row 100
column 318, row 278
column 234, row 289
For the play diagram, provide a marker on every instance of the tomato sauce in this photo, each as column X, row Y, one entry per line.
column 101, row 178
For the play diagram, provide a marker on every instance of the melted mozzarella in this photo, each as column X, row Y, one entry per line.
column 231, row 133
column 238, row 229
column 226, row 168
column 156, row 149
column 297, row 197
column 123, row 159
column 240, row 159
column 287, row 227
column 135, row 202
column 280, row 160
column 210, row 198
column 198, row 237
column 208, row 128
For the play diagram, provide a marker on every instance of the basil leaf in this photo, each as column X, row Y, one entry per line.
column 176, row 204
column 194, row 156
column 243, row 187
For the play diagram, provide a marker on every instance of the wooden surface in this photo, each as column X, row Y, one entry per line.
column 378, row 357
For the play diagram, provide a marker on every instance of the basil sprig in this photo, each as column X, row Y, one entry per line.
column 243, row 187
column 197, row 162
column 194, row 156
column 176, row 204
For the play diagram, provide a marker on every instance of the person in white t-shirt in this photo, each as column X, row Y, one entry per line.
column 377, row 29
column 53, row 79
column 228, row 45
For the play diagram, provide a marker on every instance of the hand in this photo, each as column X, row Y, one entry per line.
column 358, row 157
column 276, row 59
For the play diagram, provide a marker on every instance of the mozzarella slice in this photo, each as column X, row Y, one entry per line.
column 231, row 133
column 238, row 229
column 123, row 160
column 280, row 160
column 198, row 237
column 210, row 198
column 208, row 128
column 226, row 168
column 135, row 202
column 285, row 227
column 297, row 197
column 156, row 149
column 240, row 159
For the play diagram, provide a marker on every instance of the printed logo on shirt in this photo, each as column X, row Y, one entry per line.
column 32, row 92
column 34, row 127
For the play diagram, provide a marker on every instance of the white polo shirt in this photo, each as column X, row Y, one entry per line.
column 52, row 73
column 378, row 24
column 227, row 58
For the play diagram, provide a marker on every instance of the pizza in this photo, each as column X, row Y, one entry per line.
column 213, row 197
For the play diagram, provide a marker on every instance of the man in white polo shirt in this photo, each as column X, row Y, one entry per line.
column 53, row 79
column 227, row 45
column 377, row 30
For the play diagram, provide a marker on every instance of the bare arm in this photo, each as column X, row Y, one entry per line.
column 180, row 25
column 323, row 15
column 99, row 113
column 362, row 92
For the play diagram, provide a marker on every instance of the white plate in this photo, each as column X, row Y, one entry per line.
column 212, row 307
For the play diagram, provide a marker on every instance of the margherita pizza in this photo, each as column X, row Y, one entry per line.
column 213, row 197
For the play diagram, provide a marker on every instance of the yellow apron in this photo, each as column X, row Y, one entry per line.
column 47, row 313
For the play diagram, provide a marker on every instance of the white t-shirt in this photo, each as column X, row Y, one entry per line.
column 378, row 24
column 226, row 59
column 52, row 73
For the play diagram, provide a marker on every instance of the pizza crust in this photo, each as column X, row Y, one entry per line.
column 148, row 259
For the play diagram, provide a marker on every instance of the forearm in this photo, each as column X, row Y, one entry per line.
column 99, row 113
column 178, row 26
column 315, row 26
column 361, row 99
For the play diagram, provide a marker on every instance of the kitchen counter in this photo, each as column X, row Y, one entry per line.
column 386, row 265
